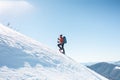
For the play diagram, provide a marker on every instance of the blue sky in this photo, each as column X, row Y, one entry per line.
column 92, row 27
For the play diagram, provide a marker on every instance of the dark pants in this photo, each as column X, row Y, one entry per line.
column 61, row 47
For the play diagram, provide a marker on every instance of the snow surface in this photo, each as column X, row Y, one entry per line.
column 117, row 67
column 22, row 58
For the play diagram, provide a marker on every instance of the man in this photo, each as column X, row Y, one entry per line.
column 61, row 44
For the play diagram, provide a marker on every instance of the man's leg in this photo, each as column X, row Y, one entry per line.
column 63, row 50
column 59, row 46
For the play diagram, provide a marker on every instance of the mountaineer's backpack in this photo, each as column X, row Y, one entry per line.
column 64, row 40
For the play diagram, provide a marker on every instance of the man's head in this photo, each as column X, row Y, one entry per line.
column 61, row 35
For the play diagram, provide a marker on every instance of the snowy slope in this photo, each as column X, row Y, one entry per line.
column 22, row 58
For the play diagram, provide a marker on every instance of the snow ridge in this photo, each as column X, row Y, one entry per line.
column 22, row 58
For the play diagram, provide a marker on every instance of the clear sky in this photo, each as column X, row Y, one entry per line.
column 92, row 27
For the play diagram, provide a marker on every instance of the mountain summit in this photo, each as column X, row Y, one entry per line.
column 22, row 58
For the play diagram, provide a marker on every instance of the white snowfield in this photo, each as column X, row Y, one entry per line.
column 22, row 58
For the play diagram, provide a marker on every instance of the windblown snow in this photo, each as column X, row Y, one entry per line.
column 22, row 58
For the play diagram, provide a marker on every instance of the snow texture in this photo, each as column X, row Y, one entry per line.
column 117, row 67
column 22, row 58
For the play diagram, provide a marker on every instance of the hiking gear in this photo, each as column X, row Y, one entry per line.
column 64, row 40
